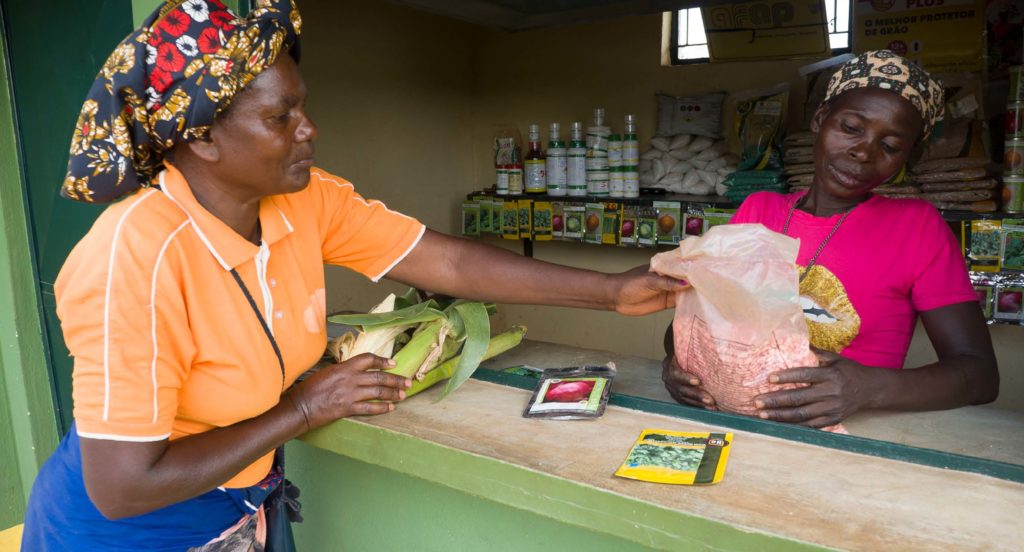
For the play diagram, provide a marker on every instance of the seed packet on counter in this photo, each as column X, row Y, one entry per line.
column 594, row 222
column 676, row 457
column 647, row 224
column 470, row 218
column 573, row 393
column 627, row 226
column 574, row 214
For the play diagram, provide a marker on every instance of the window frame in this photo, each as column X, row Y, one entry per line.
column 674, row 45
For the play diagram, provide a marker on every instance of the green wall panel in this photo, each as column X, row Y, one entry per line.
column 27, row 425
column 55, row 50
column 352, row 505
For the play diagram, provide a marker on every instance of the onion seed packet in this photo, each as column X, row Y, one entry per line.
column 571, row 393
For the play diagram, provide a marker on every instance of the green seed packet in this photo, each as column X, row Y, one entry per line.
column 486, row 208
column 574, row 221
column 593, row 222
column 610, row 223
column 985, row 239
column 497, row 209
column 676, row 457
column 714, row 217
column 1011, row 250
column 470, row 218
column 647, row 227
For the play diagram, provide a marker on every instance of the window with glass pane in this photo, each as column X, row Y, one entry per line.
column 692, row 42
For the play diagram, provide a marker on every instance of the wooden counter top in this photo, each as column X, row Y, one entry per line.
column 776, row 495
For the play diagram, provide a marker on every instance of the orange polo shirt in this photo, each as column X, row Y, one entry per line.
column 165, row 343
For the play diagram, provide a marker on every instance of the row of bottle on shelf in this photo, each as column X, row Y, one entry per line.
column 599, row 163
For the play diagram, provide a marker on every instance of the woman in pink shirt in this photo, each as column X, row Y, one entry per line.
column 869, row 265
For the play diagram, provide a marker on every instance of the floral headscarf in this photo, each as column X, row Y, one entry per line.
column 889, row 71
column 164, row 84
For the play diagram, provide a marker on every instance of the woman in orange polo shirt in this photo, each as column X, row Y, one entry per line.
column 195, row 301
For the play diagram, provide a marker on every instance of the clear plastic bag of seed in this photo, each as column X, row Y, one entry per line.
column 572, row 393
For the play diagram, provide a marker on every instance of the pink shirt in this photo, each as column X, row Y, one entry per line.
column 889, row 260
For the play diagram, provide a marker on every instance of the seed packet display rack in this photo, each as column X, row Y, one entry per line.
column 992, row 244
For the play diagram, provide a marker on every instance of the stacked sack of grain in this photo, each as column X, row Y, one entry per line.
column 799, row 160
column 904, row 187
column 958, row 184
column 687, row 164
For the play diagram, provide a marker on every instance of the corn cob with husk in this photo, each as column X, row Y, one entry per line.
column 448, row 342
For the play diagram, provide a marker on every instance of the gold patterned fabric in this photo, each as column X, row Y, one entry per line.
column 889, row 71
column 165, row 83
column 832, row 321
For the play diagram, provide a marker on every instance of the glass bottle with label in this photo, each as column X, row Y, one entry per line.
column 515, row 173
column 536, row 181
column 576, row 157
column 555, row 163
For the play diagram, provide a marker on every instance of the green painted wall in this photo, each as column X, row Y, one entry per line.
column 53, row 62
column 28, row 431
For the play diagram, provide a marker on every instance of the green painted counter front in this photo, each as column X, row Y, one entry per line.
column 367, row 507
column 469, row 473
column 369, row 488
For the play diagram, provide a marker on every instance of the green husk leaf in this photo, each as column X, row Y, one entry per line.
column 478, row 334
column 408, row 316
column 497, row 345
column 423, row 350
column 409, row 298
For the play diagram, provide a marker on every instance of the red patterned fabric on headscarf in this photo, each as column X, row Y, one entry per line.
column 164, row 84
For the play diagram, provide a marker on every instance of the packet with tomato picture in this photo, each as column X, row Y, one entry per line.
column 573, row 393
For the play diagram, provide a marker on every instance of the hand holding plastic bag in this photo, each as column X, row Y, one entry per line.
column 742, row 321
